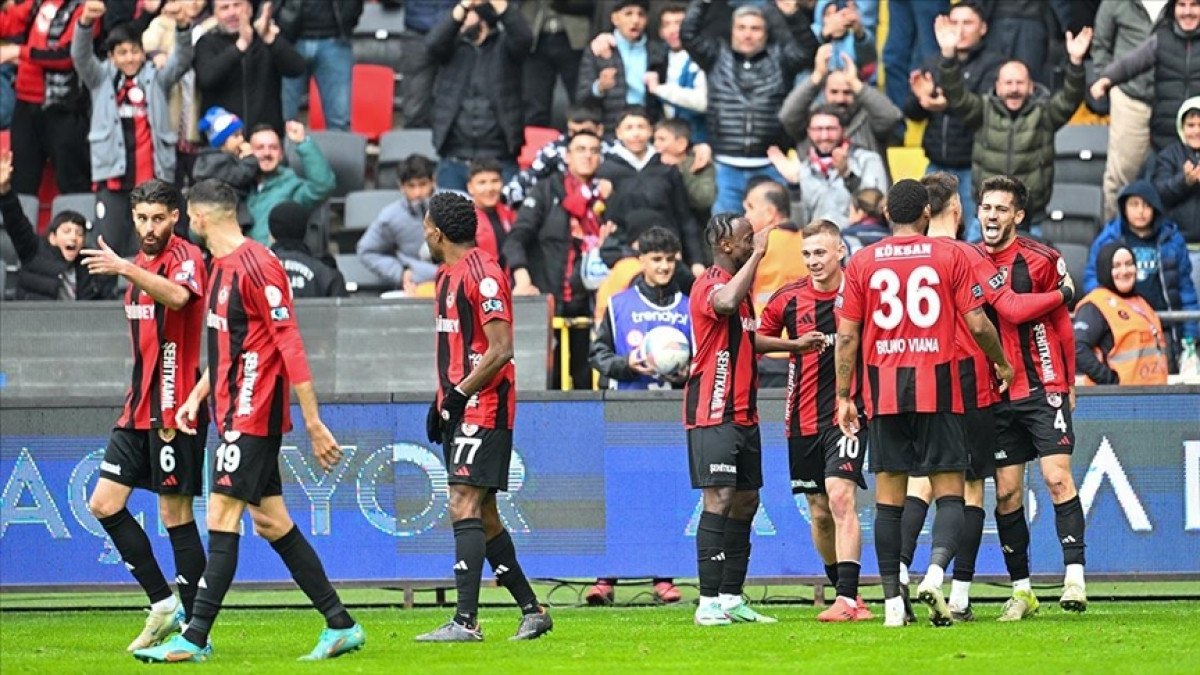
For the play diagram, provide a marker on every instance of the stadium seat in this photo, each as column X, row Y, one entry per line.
column 377, row 41
column 347, row 154
column 361, row 209
column 371, row 92
column 398, row 144
column 83, row 202
column 379, row 22
column 1076, row 256
column 536, row 138
column 359, row 279
column 1074, row 214
column 1080, row 152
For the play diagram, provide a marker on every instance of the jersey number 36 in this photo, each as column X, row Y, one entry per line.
column 921, row 302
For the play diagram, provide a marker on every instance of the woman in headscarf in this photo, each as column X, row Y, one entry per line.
column 1118, row 336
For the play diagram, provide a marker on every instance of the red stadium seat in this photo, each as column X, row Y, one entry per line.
column 535, row 139
column 5, row 140
column 371, row 92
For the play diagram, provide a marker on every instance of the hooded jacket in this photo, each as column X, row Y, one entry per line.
column 1181, row 201
column 654, row 186
column 1171, row 288
column 42, row 264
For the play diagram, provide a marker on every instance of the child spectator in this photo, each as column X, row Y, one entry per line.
column 672, row 141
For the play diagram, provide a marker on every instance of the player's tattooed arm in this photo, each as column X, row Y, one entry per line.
column 989, row 341
column 499, row 352
column 845, row 355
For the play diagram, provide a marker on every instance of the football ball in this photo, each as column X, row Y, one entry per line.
column 667, row 350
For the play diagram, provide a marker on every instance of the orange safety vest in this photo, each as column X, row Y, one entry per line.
column 782, row 265
column 1139, row 351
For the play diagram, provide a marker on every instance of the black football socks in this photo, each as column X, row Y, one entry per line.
column 1014, row 542
column 469, row 552
column 736, row 544
column 218, row 575
column 502, row 556
column 969, row 540
column 1069, row 521
column 710, row 553
column 831, row 573
column 847, row 579
column 947, row 527
column 911, row 523
column 887, row 547
column 189, row 562
column 134, row 546
column 309, row 574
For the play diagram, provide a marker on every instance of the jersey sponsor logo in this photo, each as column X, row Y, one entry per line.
column 109, row 467
column 280, row 314
column 492, row 305
column 722, row 468
column 976, row 291
column 749, row 324
column 249, row 379
column 1041, row 343
column 274, row 296
column 218, row 322
column 805, row 484
column 444, row 325
column 488, row 288
column 659, row 316
column 917, row 250
column 720, row 382
column 167, row 383
column 997, row 281
column 139, row 312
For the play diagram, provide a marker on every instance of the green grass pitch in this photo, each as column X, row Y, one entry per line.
column 1157, row 636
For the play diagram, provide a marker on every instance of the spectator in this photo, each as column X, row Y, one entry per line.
column 310, row 278
column 494, row 219
column 748, row 78
column 394, row 245
column 321, row 32
column 640, row 180
column 1019, row 31
column 1164, row 271
column 673, row 145
column 132, row 138
column 1177, row 179
column 1118, row 336
column 613, row 72
column 684, row 92
column 560, row 33
column 848, row 27
column 50, row 118
column 50, row 268
column 159, row 42
column 1015, row 126
column 278, row 183
column 557, row 225
column 767, row 205
column 830, row 168
column 240, row 66
column 418, row 67
column 552, row 157
column 870, row 116
column 910, row 41
column 947, row 141
column 229, row 158
column 1171, row 52
column 867, row 222
column 1120, row 27
column 477, row 98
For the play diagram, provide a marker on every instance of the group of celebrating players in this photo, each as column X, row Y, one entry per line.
column 951, row 363
column 958, row 358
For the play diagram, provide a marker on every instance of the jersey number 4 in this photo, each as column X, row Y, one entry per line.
column 921, row 302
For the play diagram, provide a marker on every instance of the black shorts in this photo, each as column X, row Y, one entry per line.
column 917, row 444
column 1037, row 426
column 727, row 455
column 246, row 467
column 164, row 461
column 479, row 456
column 979, row 434
column 826, row 454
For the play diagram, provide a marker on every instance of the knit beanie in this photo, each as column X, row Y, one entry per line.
column 219, row 124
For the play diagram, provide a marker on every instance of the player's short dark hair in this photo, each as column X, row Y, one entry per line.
column 719, row 227
column 633, row 111
column 821, row 226
column 659, row 240
column 1013, row 186
column 832, row 111
column 972, row 5
column 67, row 216
column 906, row 201
column 484, row 165
column 262, row 126
column 942, row 187
column 582, row 112
column 212, row 192
column 155, row 191
column 676, row 127
column 415, row 167
column 671, row 8
column 774, row 192
column 870, row 202
column 454, row 215
column 122, row 34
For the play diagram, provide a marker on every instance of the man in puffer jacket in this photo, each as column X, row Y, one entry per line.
column 1164, row 271
column 1014, row 126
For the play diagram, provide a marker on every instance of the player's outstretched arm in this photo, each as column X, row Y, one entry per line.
column 812, row 341
column 845, row 359
column 104, row 260
column 185, row 415
column 324, row 446
column 989, row 341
